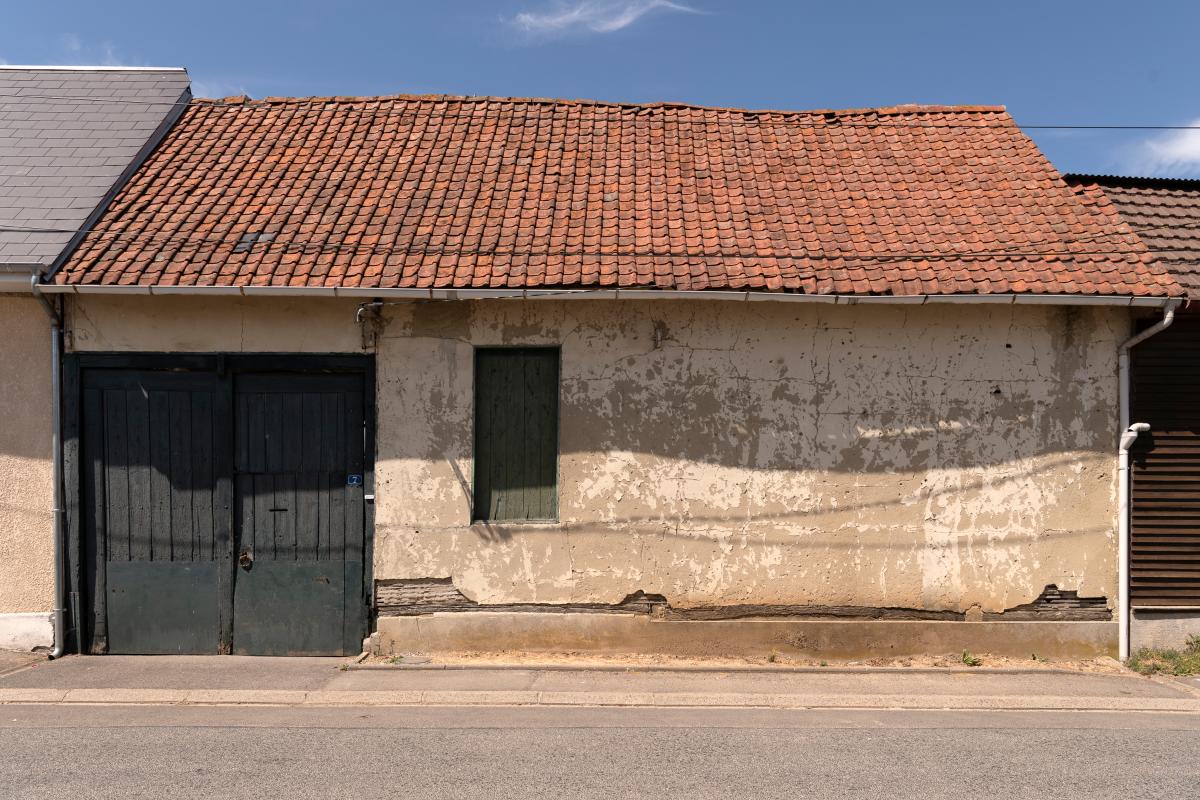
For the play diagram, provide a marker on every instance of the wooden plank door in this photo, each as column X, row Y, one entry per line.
column 156, row 511
column 299, row 462
column 516, row 434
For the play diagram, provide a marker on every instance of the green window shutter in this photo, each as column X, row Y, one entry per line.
column 516, row 433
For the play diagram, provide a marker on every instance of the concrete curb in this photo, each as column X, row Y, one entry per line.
column 244, row 697
column 683, row 668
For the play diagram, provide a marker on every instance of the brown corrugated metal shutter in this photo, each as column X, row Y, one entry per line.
column 1165, row 532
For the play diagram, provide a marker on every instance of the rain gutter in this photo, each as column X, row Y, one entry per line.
column 613, row 294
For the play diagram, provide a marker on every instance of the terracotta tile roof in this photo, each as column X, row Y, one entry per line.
column 453, row 192
column 1164, row 212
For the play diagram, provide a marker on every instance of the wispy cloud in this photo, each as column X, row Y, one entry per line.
column 1171, row 153
column 216, row 89
column 591, row 16
column 76, row 51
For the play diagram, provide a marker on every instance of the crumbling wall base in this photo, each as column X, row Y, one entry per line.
column 489, row 631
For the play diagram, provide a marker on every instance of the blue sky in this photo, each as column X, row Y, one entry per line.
column 1050, row 62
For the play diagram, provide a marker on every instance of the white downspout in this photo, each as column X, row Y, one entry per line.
column 1128, row 437
column 1129, row 434
column 58, row 615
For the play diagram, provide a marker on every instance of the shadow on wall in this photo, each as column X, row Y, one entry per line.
column 654, row 393
column 850, row 423
column 695, row 524
column 24, row 380
column 763, row 387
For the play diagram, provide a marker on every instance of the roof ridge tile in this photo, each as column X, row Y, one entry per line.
column 903, row 109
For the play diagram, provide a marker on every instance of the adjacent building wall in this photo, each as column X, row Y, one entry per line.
column 1163, row 628
column 717, row 452
column 26, row 475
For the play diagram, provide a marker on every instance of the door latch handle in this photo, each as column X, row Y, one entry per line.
column 246, row 558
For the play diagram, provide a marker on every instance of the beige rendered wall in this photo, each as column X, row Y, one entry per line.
column 26, row 467
column 173, row 323
column 718, row 452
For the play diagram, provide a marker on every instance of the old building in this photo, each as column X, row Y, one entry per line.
column 69, row 137
column 493, row 373
column 1165, row 530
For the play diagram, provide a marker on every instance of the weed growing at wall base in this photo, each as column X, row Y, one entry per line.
column 1172, row 662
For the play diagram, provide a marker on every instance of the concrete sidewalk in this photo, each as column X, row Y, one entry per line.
column 11, row 662
column 313, row 682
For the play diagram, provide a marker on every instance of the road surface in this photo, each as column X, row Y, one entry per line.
column 532, row 753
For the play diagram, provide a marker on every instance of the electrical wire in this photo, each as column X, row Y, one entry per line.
column 833, row 119
column 319, row 248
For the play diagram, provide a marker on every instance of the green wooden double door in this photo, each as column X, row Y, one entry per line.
column 224, row 512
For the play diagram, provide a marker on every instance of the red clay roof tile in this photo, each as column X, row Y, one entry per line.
column 1164, row 212
column 450, row 192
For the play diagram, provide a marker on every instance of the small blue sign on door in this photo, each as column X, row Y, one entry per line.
column 354, row 480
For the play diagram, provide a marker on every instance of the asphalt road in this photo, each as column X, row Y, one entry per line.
column 498, row 753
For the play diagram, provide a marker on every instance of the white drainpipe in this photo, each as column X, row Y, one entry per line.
column 58, row 615
column 1129, row 434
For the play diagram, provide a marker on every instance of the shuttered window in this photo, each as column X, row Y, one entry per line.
column 516, row 434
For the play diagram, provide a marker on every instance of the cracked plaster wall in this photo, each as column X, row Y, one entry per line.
column 937, row 457
column 717, row 453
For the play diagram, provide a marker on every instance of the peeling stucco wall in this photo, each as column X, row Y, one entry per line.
column 26, row 466
column 720, row 452
column 935, row 457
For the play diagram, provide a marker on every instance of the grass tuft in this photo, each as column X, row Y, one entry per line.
column 1152, row 661
column 970, row 660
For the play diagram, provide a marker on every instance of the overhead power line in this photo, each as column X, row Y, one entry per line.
column 845, row 261
column 832, row 119
column 183, row 241
column 1011, row 251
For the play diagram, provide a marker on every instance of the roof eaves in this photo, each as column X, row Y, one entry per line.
column 1005, row 298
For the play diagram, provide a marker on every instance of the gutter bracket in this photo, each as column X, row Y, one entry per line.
column 35, row 286
column 369, row 317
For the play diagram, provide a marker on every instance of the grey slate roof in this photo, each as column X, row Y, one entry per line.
column 68, row 137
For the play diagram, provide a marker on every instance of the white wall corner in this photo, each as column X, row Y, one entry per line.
column 24, row 632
